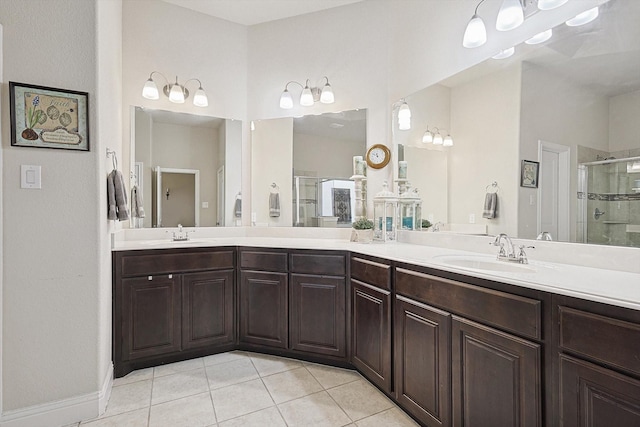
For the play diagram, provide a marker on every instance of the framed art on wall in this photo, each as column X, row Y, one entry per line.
column 46, row 117
column 529, row 174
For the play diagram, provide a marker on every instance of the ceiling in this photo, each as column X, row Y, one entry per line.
column 251, row 12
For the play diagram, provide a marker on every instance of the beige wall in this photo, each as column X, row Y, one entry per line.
column 327, row 157
column 624, row 125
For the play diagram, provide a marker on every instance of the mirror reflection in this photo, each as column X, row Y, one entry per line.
column 186, row 169
column 306, row 164
column 569, row 104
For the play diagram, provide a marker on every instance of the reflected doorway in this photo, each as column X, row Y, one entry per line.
column 553, row 192
column 177, row 194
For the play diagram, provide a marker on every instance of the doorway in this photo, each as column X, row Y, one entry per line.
column 553, row 191
column 177, row 195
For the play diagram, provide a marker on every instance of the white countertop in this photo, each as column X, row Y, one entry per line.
column 613, row 287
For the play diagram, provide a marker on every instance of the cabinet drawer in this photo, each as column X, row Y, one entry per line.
column 371, row 272
column 158, row 263
column 318, row 263
column 263, row 260
column 509, row 312
column 601, row 338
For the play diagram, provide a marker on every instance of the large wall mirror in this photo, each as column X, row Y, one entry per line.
column 186, row 169
column 570, row 104
column 301, row 169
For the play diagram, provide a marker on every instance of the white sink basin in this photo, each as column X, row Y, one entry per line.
column 173, row 242
column 484, row 263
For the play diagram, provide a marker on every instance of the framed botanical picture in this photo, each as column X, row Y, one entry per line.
column 529, row 174
column 47, row 117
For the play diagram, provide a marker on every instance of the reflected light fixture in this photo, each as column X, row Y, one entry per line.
column 476, row 33
column 504, row 53
column 540, row 37
column 437, row 138
column 404, row 116
column 427, row 138
column 309, row 95
column 448, row 141
column 176, row 92
column 583, row 18
column 510, row 16
column 550, row 4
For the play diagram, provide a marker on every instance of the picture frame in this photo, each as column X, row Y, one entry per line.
column 529, row 174
column 46, row 117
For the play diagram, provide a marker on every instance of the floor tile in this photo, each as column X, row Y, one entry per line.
column 267, row 417
column 179, row 385
column 330, row 377
column 229, row 373
column 229, row 356
column 314, row 410
column 269, row 365
column 192, row 411
column 174, row 368
column 132, row 377
column 128, row 397
column 291, row 385
column 360, row 399
column 389, row 418
column 240, row 399
column 138, row 418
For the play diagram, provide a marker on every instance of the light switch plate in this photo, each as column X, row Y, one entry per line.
column 205, row 205
column 30, row 176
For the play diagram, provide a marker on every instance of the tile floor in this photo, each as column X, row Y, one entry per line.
column 247, row 389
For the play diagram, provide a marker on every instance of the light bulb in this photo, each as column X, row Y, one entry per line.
column 404, row 117
column 200, row 98
column 286, row 101
column 540, row 37
column 504, row 53
column 510, row 15
column 583, row 18
column 427, row 138
column 150, row 90
column 176, row 94
column 437, row 139
column 448, row 141
column 326, row 97
column 306, row 97
column 550, row 4
column 476, row 33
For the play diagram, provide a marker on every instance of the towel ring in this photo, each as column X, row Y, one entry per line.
column 114, row 158
column 493, row 185
column 275, row 186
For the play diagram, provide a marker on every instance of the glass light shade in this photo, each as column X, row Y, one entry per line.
column 504, row 53
column 286, row 101
column 306, row 98
column 200, row 98
column 448, row 141
column 540, row 37
column 510, row 16
column 427, row 138
column 476, row 33
column 437, row 139
column 550, row 4
column 404, row 117
column 326, row 97
column 150, row 90
column 176, row 94
column 583, row 18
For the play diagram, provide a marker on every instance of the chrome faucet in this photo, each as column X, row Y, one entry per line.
column 436, row 226
column 545, row 235
column 180, row 236
column 509, row 253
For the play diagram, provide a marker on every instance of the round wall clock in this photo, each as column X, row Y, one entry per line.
column 378, row 156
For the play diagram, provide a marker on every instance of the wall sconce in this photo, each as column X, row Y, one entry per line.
column 176, row 92
column 404, row 116
column 436, row 138
column 309, row 95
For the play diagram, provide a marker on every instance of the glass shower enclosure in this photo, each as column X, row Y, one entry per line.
column 323, row 202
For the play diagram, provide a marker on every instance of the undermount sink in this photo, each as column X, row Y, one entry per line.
column 168, row 241
column 484, row 263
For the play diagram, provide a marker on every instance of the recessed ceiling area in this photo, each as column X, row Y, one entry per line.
column 252, row 12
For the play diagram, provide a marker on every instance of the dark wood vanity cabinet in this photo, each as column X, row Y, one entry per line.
column 170, row 305
column 371, row 320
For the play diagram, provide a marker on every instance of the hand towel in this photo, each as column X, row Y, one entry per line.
column 274, row 205
column 237, row 207
column 111, row 198
column 137, row 209
column 117, row 197
column 490, row 206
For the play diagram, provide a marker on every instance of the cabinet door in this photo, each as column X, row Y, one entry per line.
column 496, row 377
column 422, row 361
column 317, row 305
column 592, row 396
column 207, row 309
column 371, row 333
column 150, row 316
column 263, row 308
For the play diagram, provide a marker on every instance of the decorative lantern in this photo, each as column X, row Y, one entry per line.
column 410, row 210
column 385, row 208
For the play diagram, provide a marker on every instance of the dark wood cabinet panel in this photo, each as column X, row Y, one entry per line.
column 422, row 361
column 264, row 313
column 495, row 377
column 332, row 264
column 150, row 316
column 207, row 309
column 170, row 262
column 592, row 396
column 317, row 314
column 372, row 272
column 371, row 333
column 264, row 260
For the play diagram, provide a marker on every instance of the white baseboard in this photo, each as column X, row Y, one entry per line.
column 62, row 412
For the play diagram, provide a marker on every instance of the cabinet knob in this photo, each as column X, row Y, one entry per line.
column 171, row 276
column 149, row 277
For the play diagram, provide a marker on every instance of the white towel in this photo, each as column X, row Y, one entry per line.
column 274, row 205
column 490, row 206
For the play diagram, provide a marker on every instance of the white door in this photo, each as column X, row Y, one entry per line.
column 220, row 220
column 553, row 191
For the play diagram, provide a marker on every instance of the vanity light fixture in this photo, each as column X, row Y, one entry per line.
column 583, row 18
column 427, row 138
column 404, row 116
column 476, row 33
column 510, row 16
column 448, row 141
column 437, row 138
column 505, row 53
column 176, row 92
column 550, row 4
column 540, row 37
column 309, row 95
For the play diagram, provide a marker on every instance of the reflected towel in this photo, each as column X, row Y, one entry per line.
column 237, row 207
column 490, row 206
column 137, row 210
column 274, row 205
